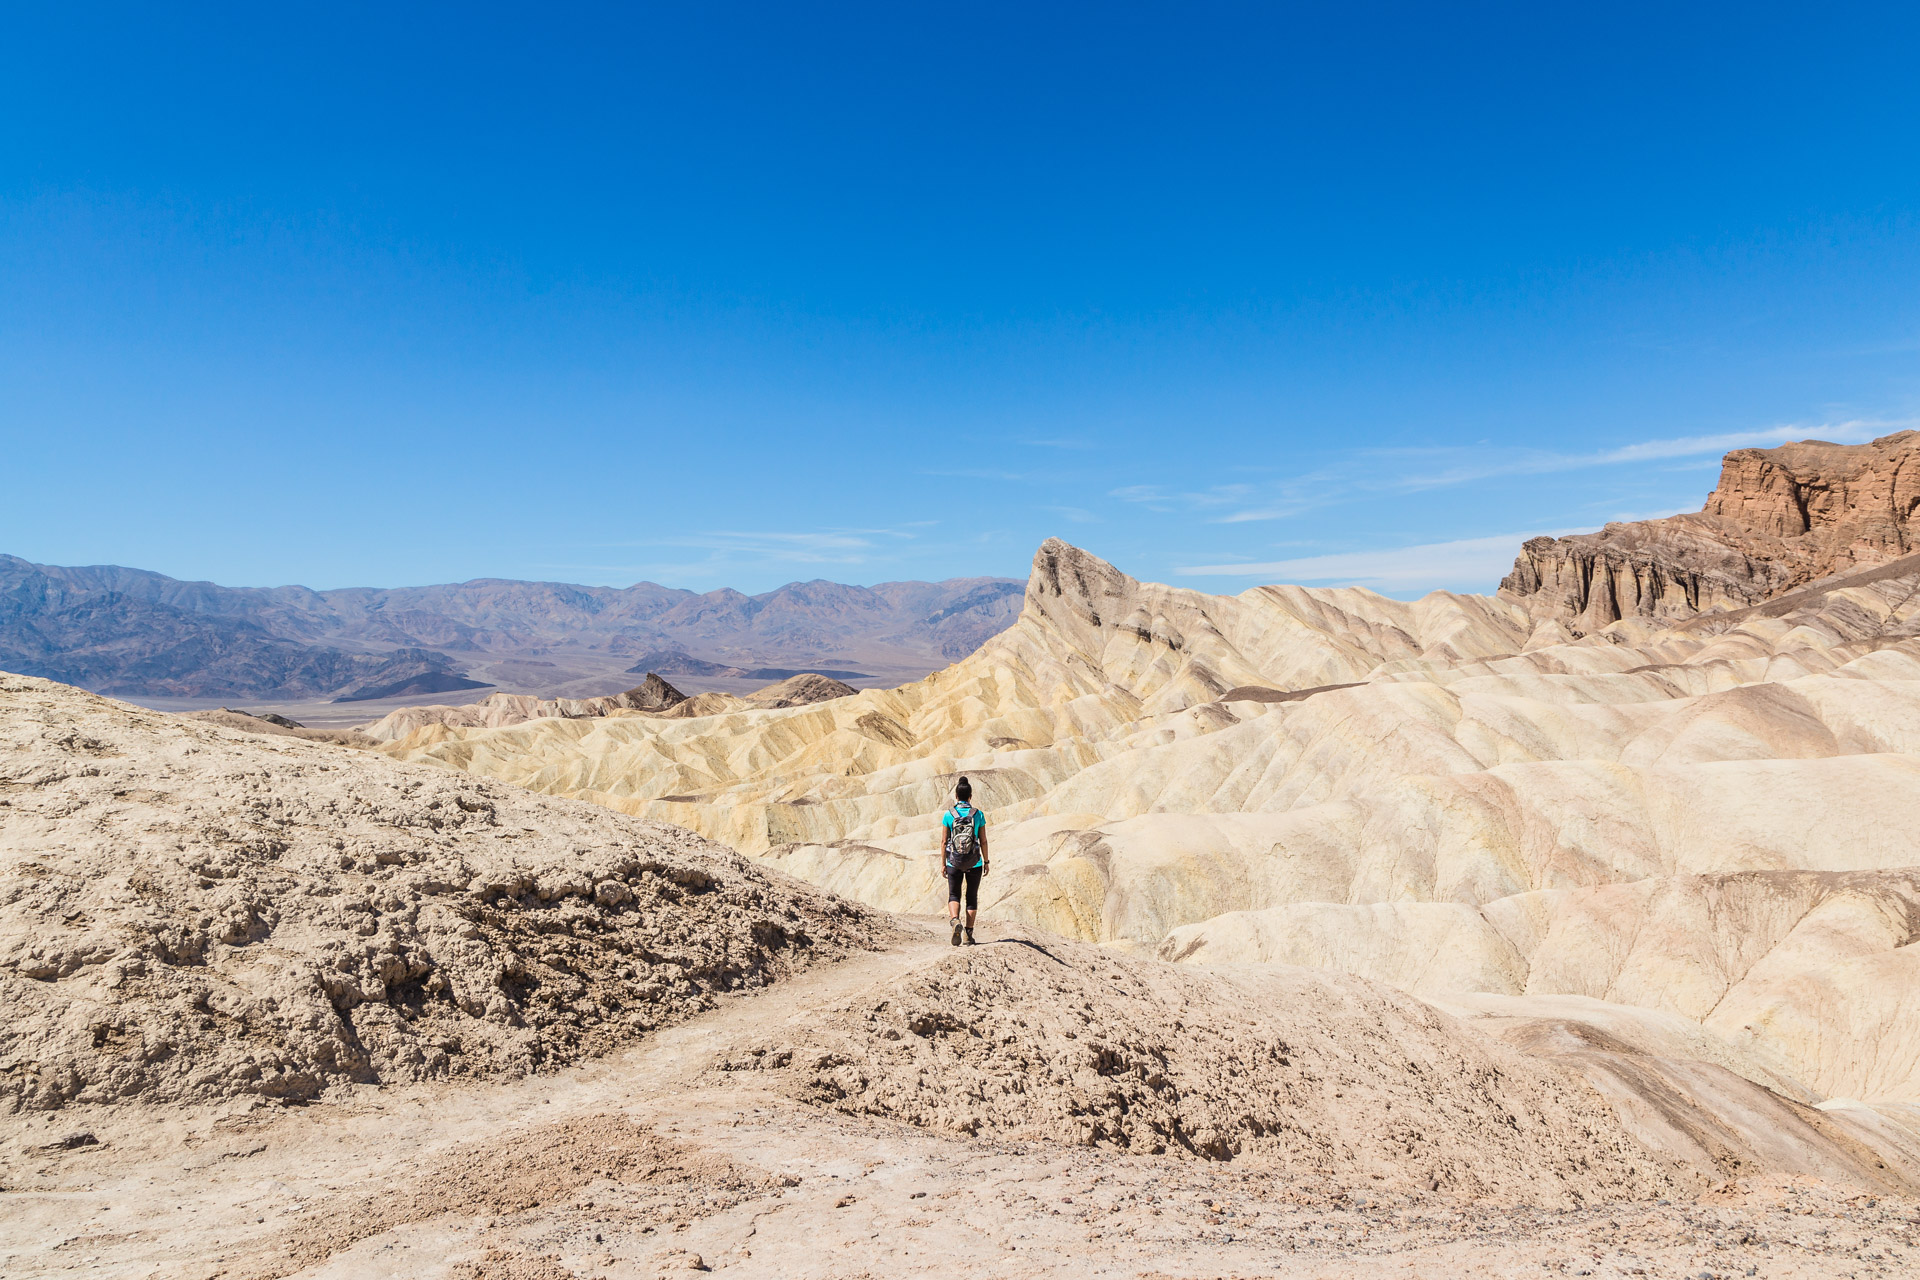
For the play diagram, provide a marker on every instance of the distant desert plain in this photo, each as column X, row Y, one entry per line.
column 1570, row 930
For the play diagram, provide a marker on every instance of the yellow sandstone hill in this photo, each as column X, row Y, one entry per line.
column 1691, row 835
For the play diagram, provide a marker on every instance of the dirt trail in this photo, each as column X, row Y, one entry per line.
column 652, row 1161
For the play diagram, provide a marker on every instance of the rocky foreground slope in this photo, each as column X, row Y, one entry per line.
column 188, row 912
column 922, row 1111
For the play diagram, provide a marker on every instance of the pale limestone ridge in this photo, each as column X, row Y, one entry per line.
column 1778, row 519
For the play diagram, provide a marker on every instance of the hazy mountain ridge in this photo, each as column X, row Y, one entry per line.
column 118, row 642
column 138, row 633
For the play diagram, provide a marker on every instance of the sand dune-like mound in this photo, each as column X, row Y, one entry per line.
column 189, row 912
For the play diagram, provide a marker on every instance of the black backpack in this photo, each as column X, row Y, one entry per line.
column 963, row 840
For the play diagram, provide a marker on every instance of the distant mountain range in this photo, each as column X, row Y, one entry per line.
column 134, row 633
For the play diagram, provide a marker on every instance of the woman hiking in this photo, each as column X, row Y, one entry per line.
column 963, row 852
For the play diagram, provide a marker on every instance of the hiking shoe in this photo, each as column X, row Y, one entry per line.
column 956, row 933
column 970, row 941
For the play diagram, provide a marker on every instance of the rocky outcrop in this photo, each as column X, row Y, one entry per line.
column 1779, row 518
column 273, row 726
column 651, row 694
column 1840, row 506
column 801, row 690
column 655, row 696
column 1668, row 569
column 680, row 663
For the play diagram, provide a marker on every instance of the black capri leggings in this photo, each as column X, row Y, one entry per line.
column 972, row 878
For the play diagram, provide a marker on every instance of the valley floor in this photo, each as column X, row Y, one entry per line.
column 652, row 1162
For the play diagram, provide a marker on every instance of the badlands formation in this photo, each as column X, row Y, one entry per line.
column 1695, row 826
column 1327, row 935
column 280, row 1006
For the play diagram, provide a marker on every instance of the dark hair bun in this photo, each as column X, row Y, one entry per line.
column 963, row 790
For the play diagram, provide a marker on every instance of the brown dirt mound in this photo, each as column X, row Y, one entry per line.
column 1329, row 1074
column 188, row 912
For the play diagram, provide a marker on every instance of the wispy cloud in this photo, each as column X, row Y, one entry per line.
column 737, row 550
column 1160, row 499
column 1366, row 472
column 1484, row 465
column 1079, row 515
column 1265, row 513
column 1481, row 561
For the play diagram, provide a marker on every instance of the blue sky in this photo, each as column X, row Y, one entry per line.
column 733, row 295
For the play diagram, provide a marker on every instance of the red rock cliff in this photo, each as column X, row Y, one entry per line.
column 1779, row 518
